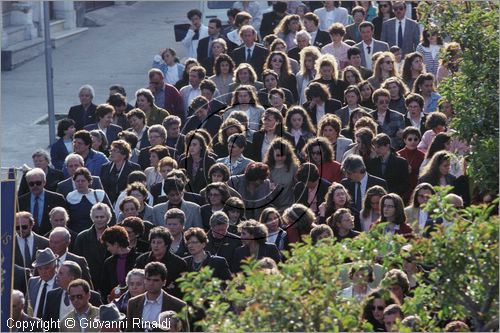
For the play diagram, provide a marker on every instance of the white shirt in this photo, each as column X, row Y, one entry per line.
column 368, row 56
column 403, row 23
column 364, row 183
column 21, row 241
column 63, row 308
column 152, row 308
column 172, row 74
column 422, row 218
column 50, row 286
column 192, row 94
column 320, row 112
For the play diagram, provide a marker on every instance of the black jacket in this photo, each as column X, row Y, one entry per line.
column 243, row 252
column 223, row 247
column 258, row 59
column 109, row 278
column 255, row 153
column 322, row 38
column 331, row 105
column 300, row 192
column 396, row 173
column 218, row 264
column 52, row 199
column 199, row 180
column 113, row 185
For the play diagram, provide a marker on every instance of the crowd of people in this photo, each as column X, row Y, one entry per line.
column 317, row 118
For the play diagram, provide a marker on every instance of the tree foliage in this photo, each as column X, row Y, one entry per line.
column 304, row 296
column 473, row 90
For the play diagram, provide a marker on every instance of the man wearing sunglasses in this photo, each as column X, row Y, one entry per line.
column 400, row 30
column 84, row 315
column 39, row 201
column 27, row 242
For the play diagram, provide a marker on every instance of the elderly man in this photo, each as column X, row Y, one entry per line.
column 39, row 201
column 27, row 242
column 19, row 318
column 400, row 30
column 59, row 240
column 166, row 95
column 250, row 52
column 93, row 160
column 41, row 159
column 39, row 286
column 83, row 312
column 221, row 242
column 71, row 163
column 58, row 304
column 59, row 218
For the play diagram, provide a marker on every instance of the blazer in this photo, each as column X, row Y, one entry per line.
column 343, row 114
column 393, row 122
column 350, row 33
column 82, row 262
column 411, row 35
column 396, row 173
column 52, row 177
column 34, row 284
column 53, row 305
column 372, row 181
column 331, row 106
column 269, row 21
column 300, row 192
column 175, row 267
column 93, row 315
column 192, row 211
column 21, row 277
column 169, row 302
column 217, row 264
column 109, row 278
column 255, row 153
column 243, row 252
column 82, row 117
column 377, row 46
column 223, row 247
column 258, row 59
column 58, row 153
column 111, row 132
column 199, row 180
column 322, row 38
column 66, row 186
column 51, row 200
column 39, row 243
column 113, row 186
column 202, row 49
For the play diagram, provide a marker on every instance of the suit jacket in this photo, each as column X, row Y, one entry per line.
column 21, row 277
column 350, row 33
column 270, row 21
column 202, row 50
column 53, row 304
column 300, row 192
column 258, row 140
column 113, row 186
column 53, row 177
column 39, row 243
column 396, row 173
column 393, row 122
column 322, row 38
column 66, row 186
column 51, row 200
column 372, row 181
column 169, row 302
column 111, row 132
column 192, row 211
column 377, row 46
column 411, row 35
column 199, row 180
column 218, row 264
column 258, row 59
column 58, row 153
column 331, row 106
column 92, row 315
column 243, row 252
column 34, row 285
column 82, row 262
column 212, row 124
column 82, row 117
column 223, row 247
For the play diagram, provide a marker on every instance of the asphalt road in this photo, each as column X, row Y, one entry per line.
column 119, row 51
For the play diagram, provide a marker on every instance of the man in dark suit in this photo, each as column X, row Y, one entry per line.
column 357, row 180
column 139, row 311
column 58, row 304
column 114, row 177
column 59, row 240
column 390, row 167
column 39, row 286
column 319, row 38
column 21, row 277
column 39, row 201
column 250, row 52
column 400, row 30
column 204, row 49
column 308, row 179
column 272, row 19
column 27, row 242
column 201, row 118
column 41, row 159
column 84, row 113
column 73, row 162
column 369, row 45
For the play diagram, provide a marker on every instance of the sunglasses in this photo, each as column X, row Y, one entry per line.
column 412, row 139
column 24, row 227
column 73, row 297
column 37, row 183
column 379, row 307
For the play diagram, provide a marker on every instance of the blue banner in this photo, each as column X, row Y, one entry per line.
column 7, row 203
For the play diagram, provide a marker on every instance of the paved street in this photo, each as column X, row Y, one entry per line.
column 121, row 51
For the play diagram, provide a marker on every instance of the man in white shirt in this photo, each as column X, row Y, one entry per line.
column 39, row 286
column 368, row 46
column 27, row 242
column 192, row 90
column 400, row 30
column 196, row 32
column 332, row 13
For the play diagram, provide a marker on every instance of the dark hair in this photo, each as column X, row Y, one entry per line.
column 84, row 136
column 308, row 172
column 354, row 113
column 428, row 32
column 331, row 120
column 156, row 268
column 431, row 172
column 63, row 125
column 258, row 231
column 229, row 123
column 318, row 231
column 330, row 205
column 352, row 51
column 115, row 234
column 312, row 17
column 406, row 75
column 384, row 294
column 366, row 24
column 222, row 188
column 235, row 203
column 381, row 139
column 307, row 125
column 74, row 268
column 199, row 102
column 135, row 223
column 438, row 144
column 374, row 191
column 131, row 199
column 194, row 12
column 232, row 12
column 221, row 168
column 323, row 144
column 160, row 151
column 199, row 233
column 286, row 148
column 256, row 171
column 130, row 137
column 435, row 119
column 362, row 266
column 414, row 195
column 83, row 171
column 119, row 88
column 162, row 233
column 103, row 109
column 137, row 113
column 173, row 184
column 414, row 98
column 420, row 80
column 208, row 84
column 218, row 23
column 400, row 216
column 79, row 283
column 237, row 139
column 122, row 146
column 116, row 100
column 136, row 176
column 411, row 130
column 175, row 213
column 316, row 89
column 357, row 77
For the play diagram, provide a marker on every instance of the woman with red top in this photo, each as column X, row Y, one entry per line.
column 393, row 212
column 319, row 152
column 411, row 138
column 299, row 221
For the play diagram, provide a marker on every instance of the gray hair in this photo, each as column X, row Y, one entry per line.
column 35, row 172
column 101, row 206
column 74, row 269
column 19, row 294
column 158, row 129
column 135, row 272
column 63, row 231
column 87, row 87
column 73, row 156
column 59, row 209
column 303, row 34
column 41, row 152
column 353, row 163
column 218, row 218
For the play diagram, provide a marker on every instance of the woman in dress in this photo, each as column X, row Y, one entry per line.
column 223, row 76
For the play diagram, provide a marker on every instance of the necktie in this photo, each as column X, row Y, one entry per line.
column 27, row 253
column 66, row 298
column 358, row 196
column 369, row 49
column 210, row 47
column 196, row 35
column 35, row 210
column 383, row 166
column 41, row 303
column 249, row 55
column 400, row 35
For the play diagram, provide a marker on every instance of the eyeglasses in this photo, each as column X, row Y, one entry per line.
column 378, row 307
column 398, row 8
column 37, row 183
column 24, row 227
column 73, row 297
column 412, row 139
